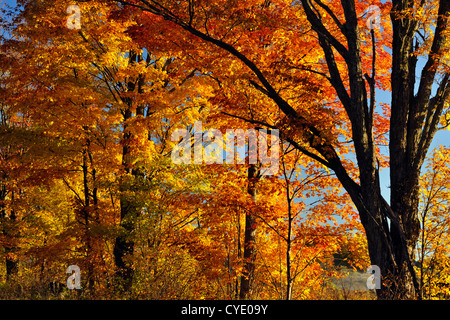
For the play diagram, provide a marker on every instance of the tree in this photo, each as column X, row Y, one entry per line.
column 349, row 51
column 433, row 252
column 103, row 109
column 250, row 230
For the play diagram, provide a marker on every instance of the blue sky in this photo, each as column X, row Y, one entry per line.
column 9, row 2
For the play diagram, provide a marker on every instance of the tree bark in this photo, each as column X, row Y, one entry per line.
column 248, row 275
column 289, row 278
column 7, row 224
column 12, row 264
column 124, row 245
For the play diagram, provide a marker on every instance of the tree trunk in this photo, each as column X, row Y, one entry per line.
column 86, row 216
column 248, row 275
column 12, row 264
column 289, row 279
column 7, row 224
column 124, row 245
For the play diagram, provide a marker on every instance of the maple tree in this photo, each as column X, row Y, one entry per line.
column 84, row 101
column 88, row 116
column 433, row 240
column 345, row 53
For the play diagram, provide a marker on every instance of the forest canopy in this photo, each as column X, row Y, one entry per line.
column 224, row 149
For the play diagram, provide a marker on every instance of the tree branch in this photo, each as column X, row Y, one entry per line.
column 318, row 26
column 331, row 13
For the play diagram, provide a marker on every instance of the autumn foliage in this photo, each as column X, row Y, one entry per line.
column 87, row 178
